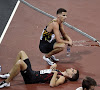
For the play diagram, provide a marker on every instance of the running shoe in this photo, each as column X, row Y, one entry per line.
column 5, row 76
column 54, row 58
column 48, row 60
column 4, row 84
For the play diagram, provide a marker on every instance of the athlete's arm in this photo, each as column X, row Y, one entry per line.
column 53, row 67
column 65, row 36
column 54, row 81
column 57, row 34
column 61, row 80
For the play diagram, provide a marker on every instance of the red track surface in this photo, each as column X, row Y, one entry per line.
column 25, row 30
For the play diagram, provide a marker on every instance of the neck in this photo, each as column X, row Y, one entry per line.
column 59, row 22
column 64, row 73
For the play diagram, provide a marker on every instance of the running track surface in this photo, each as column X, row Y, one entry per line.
column 25, row 30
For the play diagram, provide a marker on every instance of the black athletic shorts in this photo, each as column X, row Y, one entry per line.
column 28, row 74
column 46, row 47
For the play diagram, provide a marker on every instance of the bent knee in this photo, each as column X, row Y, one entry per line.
column 21, row 51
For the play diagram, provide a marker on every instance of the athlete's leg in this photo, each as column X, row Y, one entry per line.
column 19, row 66
column 21, row 56
column 58, row 47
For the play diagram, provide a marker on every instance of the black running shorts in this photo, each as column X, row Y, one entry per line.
column 28, row 74
column 46, row 47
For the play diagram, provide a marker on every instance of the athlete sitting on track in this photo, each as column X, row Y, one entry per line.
column 50, row 41
column 52, row 75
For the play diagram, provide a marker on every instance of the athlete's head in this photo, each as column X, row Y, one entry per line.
column 60, row 10
column 88, row 83
column 72, row 74
column 62, row 14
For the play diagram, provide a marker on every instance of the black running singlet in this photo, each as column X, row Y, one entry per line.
column 45, row 75
column 47, row 36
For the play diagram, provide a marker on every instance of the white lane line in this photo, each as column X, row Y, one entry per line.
column 9, row 21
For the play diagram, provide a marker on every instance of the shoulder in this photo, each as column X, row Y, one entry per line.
column 54, row 22
column 55, row 25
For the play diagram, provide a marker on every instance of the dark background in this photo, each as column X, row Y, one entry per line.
column 6, row 8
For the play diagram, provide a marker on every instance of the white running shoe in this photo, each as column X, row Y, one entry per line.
column 4, row 84
column 48, row 60
column 5, row 76
column 54, row 58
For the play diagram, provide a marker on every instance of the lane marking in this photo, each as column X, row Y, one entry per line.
column 84, row 43
column 9, row 21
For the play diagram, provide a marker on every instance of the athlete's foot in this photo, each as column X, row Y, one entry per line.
column 53, row 58
column 5, row 76
column 48, row 60
column 4, row 84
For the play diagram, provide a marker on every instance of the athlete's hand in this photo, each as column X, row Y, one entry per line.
column 53, row 67
column 70, row 43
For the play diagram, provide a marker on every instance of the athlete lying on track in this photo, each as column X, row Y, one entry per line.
column 52, row 75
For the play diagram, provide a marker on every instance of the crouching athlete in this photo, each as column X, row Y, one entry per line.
column 52, row 75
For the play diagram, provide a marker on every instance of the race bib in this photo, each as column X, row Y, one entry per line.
column 45, row 71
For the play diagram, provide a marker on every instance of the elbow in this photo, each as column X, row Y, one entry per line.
column 52, row 85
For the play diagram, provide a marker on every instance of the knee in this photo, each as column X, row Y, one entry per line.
column 21, row 52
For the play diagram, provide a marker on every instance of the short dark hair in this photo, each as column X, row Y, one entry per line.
column 60, row 10
column 75, row 77
column 88, row 82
